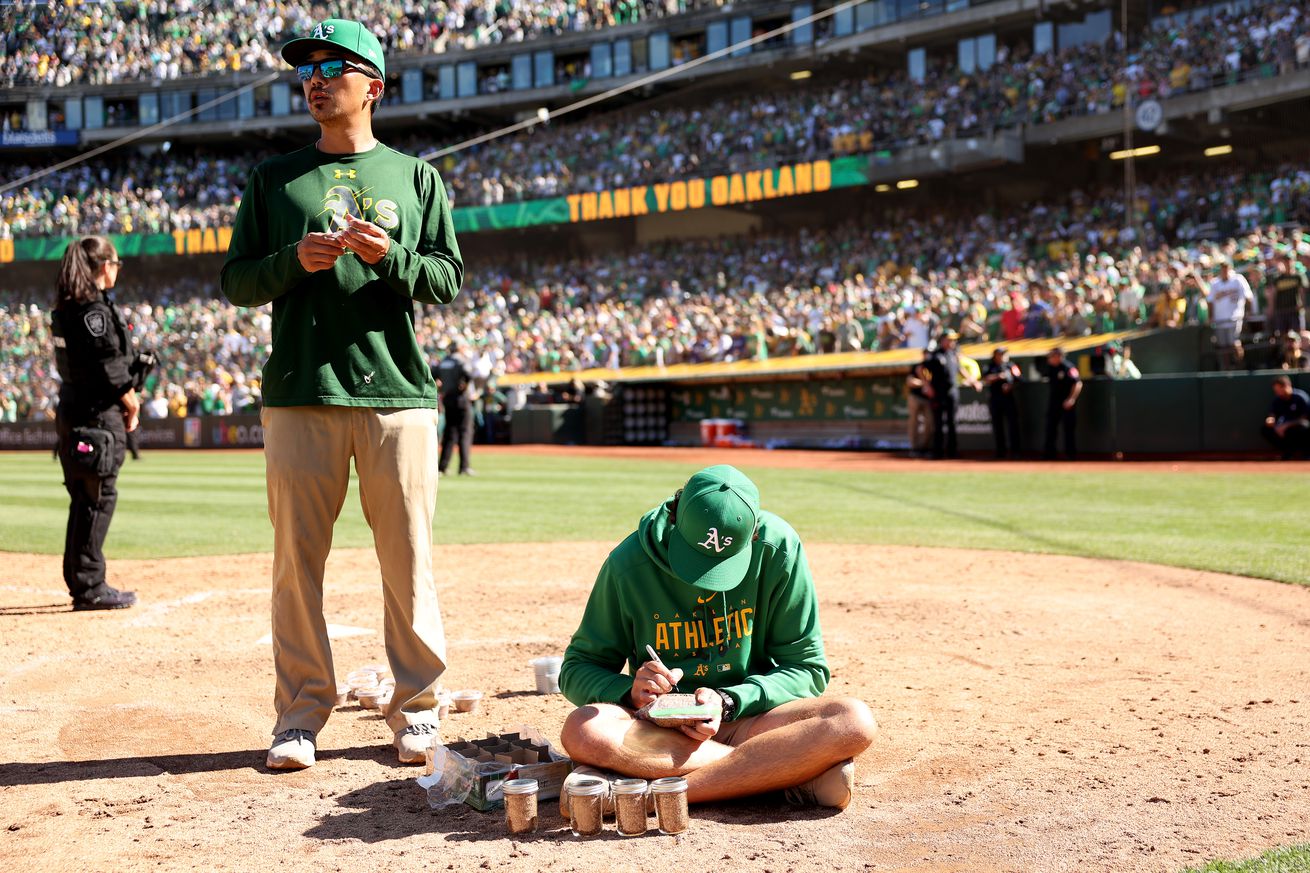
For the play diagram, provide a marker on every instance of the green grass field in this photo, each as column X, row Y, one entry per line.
column 180, row 503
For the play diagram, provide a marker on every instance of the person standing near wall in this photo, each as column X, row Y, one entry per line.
column 1001, row 377
column 98, row 407
column 1066, row 385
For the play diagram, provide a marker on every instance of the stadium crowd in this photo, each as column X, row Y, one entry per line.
column 103, row 43
column 891, row 280
column 167, row 191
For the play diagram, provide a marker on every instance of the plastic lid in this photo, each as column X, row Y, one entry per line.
column 520, row 786
column 587, row 787
column 629, row 786
column 667, row 785
column 467, row 695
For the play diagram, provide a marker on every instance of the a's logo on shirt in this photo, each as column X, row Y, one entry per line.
column 341, row 201
column 349, row 174
column 95, row 323
column 712, row 541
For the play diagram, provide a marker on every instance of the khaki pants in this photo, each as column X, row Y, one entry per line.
column 307, row 452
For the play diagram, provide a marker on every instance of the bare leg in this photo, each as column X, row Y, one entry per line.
column 779, row 749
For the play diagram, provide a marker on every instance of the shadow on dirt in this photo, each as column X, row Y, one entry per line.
column 397, row 809
column 53, row 772
column 37, row 609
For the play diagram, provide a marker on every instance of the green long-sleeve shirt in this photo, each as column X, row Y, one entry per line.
column 344, row 336
column 760, row 642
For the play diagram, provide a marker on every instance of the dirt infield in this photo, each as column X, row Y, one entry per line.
column 1036, row 712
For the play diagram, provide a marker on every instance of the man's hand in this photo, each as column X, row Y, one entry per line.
column 651, row 680
column 1068, row 404
column 319, row 251
column 131, row 410
column 706, row 729
column 365, row 239
column 1281, row 429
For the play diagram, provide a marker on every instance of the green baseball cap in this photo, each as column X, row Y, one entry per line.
column 337, row 33
column 717, row 515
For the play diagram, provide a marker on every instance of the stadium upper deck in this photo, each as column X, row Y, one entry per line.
column 819, row 118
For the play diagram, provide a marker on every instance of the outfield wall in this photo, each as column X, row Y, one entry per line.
column 1213, row 413
column 1210, row 413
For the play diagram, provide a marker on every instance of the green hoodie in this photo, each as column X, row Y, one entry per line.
column 767, row 627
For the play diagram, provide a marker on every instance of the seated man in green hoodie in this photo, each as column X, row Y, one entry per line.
column 722, row 592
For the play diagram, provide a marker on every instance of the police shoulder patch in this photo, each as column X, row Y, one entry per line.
column 95, row 323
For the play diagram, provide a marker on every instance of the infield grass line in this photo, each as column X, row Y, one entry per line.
column 175, row 504
column 1289, row 859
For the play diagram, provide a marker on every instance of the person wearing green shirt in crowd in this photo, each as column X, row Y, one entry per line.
column 343, row 237
column 721, row 591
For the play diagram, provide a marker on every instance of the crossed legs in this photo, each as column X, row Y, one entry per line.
column 778, row 749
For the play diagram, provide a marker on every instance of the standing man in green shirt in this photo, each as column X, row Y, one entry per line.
column 343, row 237
column 721, row 591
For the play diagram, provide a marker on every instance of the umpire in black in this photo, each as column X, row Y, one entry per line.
column 1001, row 378
column 1065, row 385
column 454, row 378
column 97, row 407
column 942, row 375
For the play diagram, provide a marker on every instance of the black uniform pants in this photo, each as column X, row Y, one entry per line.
column 91, row 508
column 944, row 443
column 459, row 426
column 1296, row 439
column 1005, row 418
column 1056, row 417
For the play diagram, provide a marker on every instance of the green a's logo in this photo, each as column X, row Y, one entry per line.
column 341, row 201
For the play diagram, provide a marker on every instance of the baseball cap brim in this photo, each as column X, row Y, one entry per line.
column 696, row 569
column 295, row 52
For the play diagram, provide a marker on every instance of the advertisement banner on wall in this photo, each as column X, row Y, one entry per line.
column 218, row 432
column 870, row 399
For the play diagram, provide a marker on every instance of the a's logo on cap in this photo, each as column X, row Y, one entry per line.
column 324, row 31
column 712, row 541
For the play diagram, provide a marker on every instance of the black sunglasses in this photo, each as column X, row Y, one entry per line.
column 331, row 69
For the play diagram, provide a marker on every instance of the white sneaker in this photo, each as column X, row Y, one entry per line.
column 291, row 750
column 413, row 742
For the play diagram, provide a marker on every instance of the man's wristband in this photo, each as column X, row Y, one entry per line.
column 729, row 705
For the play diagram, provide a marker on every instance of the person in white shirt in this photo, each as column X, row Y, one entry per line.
column 1229, row 296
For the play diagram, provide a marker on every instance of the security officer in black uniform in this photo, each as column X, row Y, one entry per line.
column 97, row 407
column 1001, row 378
column 454, row 377
column 1066, row 385
column 943, row 389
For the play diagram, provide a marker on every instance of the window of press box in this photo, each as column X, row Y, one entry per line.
column 494, row 78
column 657, row 52
column 623, row 62
column 602, row 60
column 689, row 48
column 803, row 35
column 917, row 63
column 739, row 31
column 573, row 68
column 446, row 82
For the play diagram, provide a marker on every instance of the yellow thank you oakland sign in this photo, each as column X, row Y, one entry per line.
column 750, row 187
